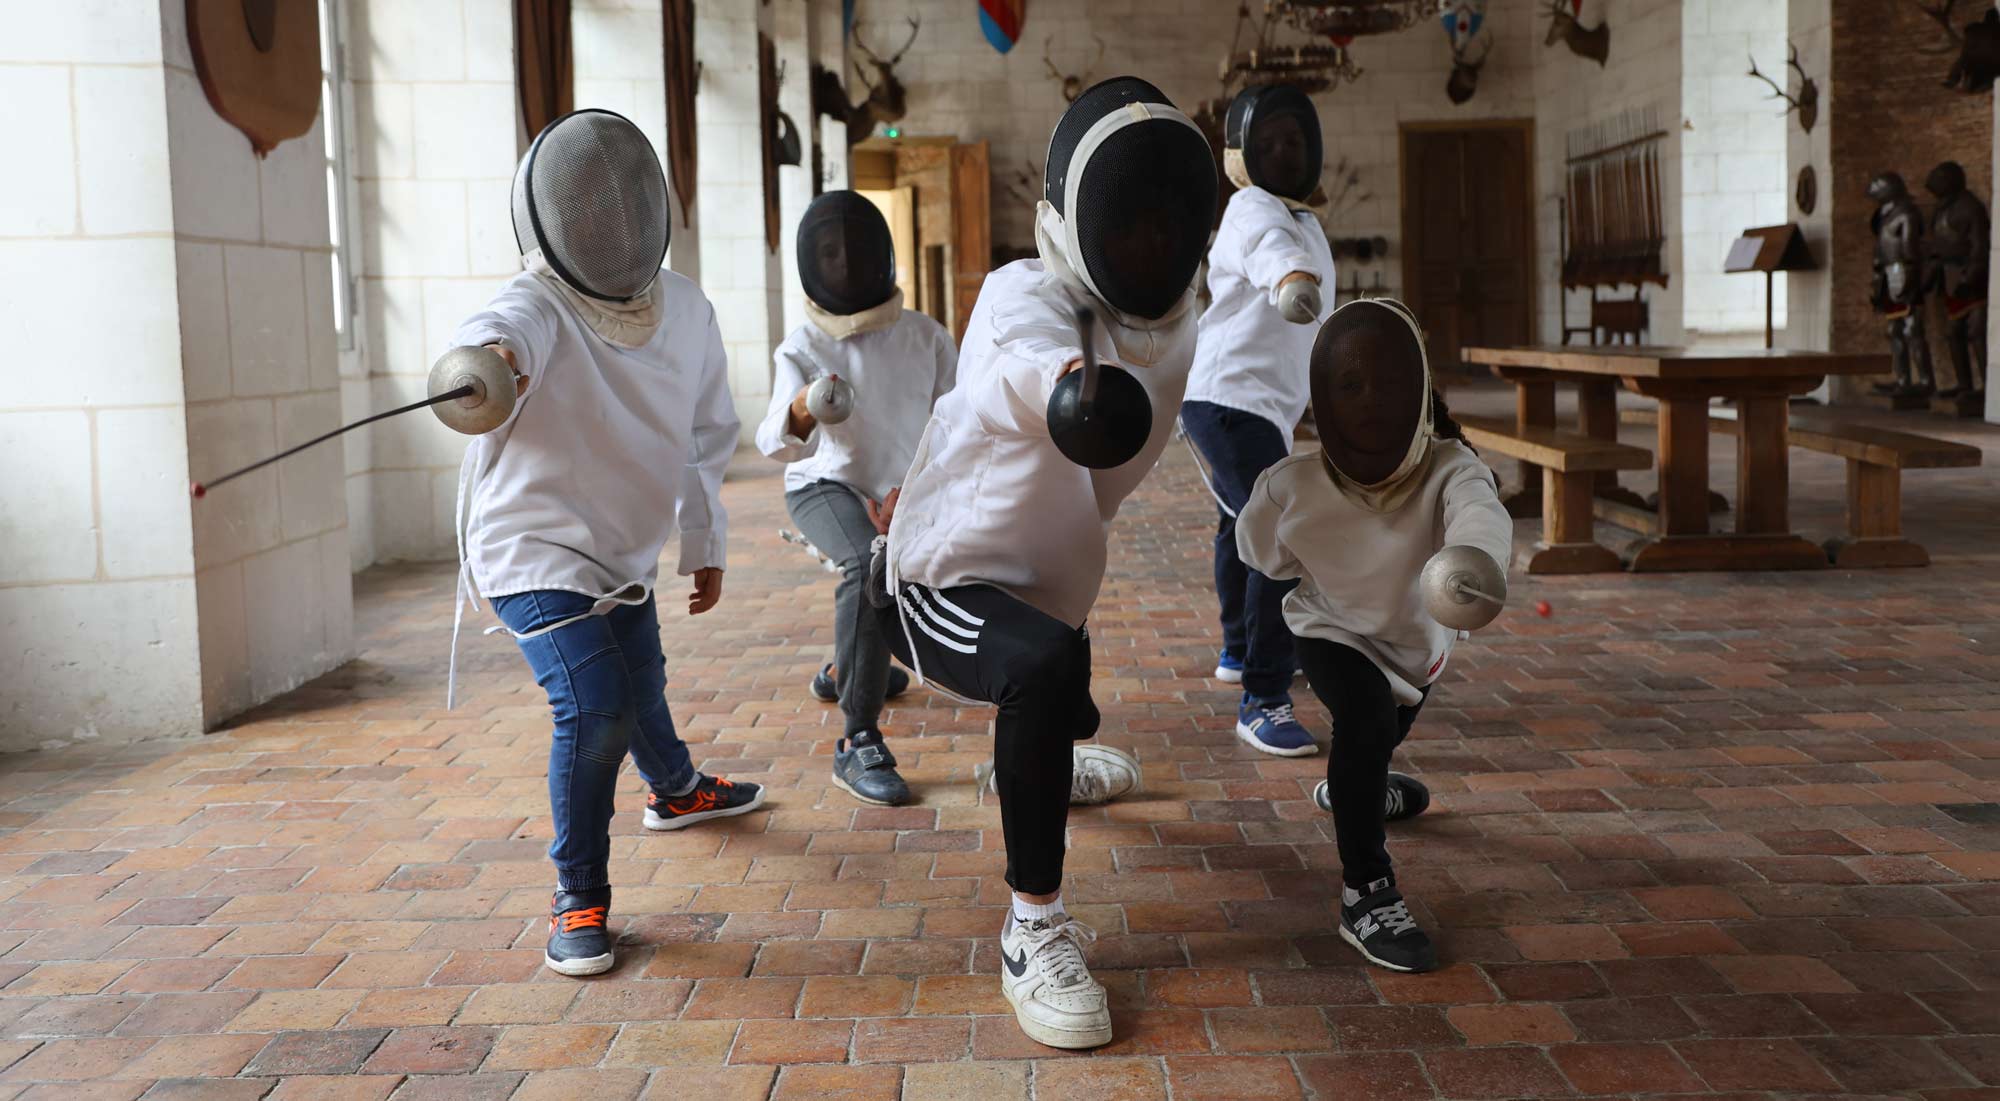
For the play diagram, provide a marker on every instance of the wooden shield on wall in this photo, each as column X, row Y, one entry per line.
column 258, row 61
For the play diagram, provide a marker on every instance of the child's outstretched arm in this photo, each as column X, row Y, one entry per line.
column 1257, row 540
column 703, row 523
column 778, row 435
column 1474, row 516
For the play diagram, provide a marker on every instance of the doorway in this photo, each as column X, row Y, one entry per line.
column 1468, row 232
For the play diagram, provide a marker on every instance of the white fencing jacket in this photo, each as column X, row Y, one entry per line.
column 989, row 498
column 1247, row 356
column 610, row 453
column 1359, row 569
column 898, row 373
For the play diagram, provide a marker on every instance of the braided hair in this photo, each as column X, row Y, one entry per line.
column 1442, row 426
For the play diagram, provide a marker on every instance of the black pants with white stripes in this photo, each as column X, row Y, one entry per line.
column 982, row 644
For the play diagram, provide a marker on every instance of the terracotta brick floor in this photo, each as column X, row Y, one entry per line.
column 1703, row 835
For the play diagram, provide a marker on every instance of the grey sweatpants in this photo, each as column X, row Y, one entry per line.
column 832, row 518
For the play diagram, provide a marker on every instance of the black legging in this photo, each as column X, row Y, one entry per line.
column 1368, row 725
column 983, row 644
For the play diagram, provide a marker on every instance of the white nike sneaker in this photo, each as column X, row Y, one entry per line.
column 1043, row 975
column 1098, row 774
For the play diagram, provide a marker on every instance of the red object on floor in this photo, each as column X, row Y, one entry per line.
column 1542, row 608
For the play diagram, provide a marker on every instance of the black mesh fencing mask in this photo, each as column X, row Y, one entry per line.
column 590, row 195
column 1276, row 129
column 1134, row 182
column 1371, row 391
column 847, row 260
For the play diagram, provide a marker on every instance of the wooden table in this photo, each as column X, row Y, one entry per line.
column 1683, row 380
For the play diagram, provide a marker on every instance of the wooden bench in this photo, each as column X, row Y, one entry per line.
column 1876, row 459
column 1570, row 463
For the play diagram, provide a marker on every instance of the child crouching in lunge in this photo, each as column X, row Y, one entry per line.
column 1356, row 522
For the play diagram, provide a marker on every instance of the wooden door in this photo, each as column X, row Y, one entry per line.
column 972, row 230
column 899, row 208
column 1468, row 218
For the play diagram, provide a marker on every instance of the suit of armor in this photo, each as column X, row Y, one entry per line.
column 1960, row 242
column 1898, row 288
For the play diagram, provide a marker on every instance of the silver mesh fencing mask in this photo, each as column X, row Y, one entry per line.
column 847, row 260
column 1276, row 128
column 590, row 195
column 1134, row 182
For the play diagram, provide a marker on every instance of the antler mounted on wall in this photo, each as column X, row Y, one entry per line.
column 1073, row 84
column 885, row 101
column 1806, row 103
column 1591, row 42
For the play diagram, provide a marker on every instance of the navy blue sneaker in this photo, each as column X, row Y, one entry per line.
column 1407, row 798
column 579, row 935
column 1229, row 667
column 1270, row 726
column 826, row 691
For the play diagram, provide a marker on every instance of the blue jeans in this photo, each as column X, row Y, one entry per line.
column 607, row 681
column 1236, row 447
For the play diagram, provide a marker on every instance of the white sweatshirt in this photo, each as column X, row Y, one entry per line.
column 1359, row 569
column 989, row 498
column 898, row 373
column 607, row 455
column 1247, row 356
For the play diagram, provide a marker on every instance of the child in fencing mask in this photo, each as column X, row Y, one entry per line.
column 1355, row 523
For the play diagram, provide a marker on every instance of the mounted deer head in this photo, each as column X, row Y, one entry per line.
column 1591, row 42
column 1806, row 103
column 1978, row 46
column 1464, row 78
column 885, row 102
column 1072, row 84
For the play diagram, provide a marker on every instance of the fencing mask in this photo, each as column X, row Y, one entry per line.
column 847, row 261
column 1132, row 182
column 1274, row 130
column 1371, row 401
column 589, row 194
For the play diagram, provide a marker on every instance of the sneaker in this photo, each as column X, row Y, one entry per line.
column 1043, row 975
column 1380, row 926
column 865, row 769
column 1229, row 668
column 1408, row 797
column 712, row 797
column 826, row 691
column 1098, row 774
column 579, row 939
column 1270, row 726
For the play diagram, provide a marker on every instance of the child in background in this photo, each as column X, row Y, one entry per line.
column 1356, row 522
column 898, row 362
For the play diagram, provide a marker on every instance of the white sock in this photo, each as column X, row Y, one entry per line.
column 1349, row 896
column 1029, row 911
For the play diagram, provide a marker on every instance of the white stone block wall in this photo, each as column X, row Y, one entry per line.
column 1733, row 150
column 1809, row 294
column 436, row 138
column 262, row 373
column 163, row 292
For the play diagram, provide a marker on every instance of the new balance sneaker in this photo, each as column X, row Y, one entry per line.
column 1043, row 975
column 865, row 769
column 712, row 797
column 579, row 936
column 1098, row 774
column 1379, row 925
column 1229, row 668
column 825, row 690
column 1408, row 797
column 1270, row 726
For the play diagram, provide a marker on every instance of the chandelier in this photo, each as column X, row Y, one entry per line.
column 1313, row 68
column 1346, row 19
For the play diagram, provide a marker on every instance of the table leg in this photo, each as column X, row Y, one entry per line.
column 1534, row 407
column 1763, row 466
column 1597, row 412
column 1683, row 462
